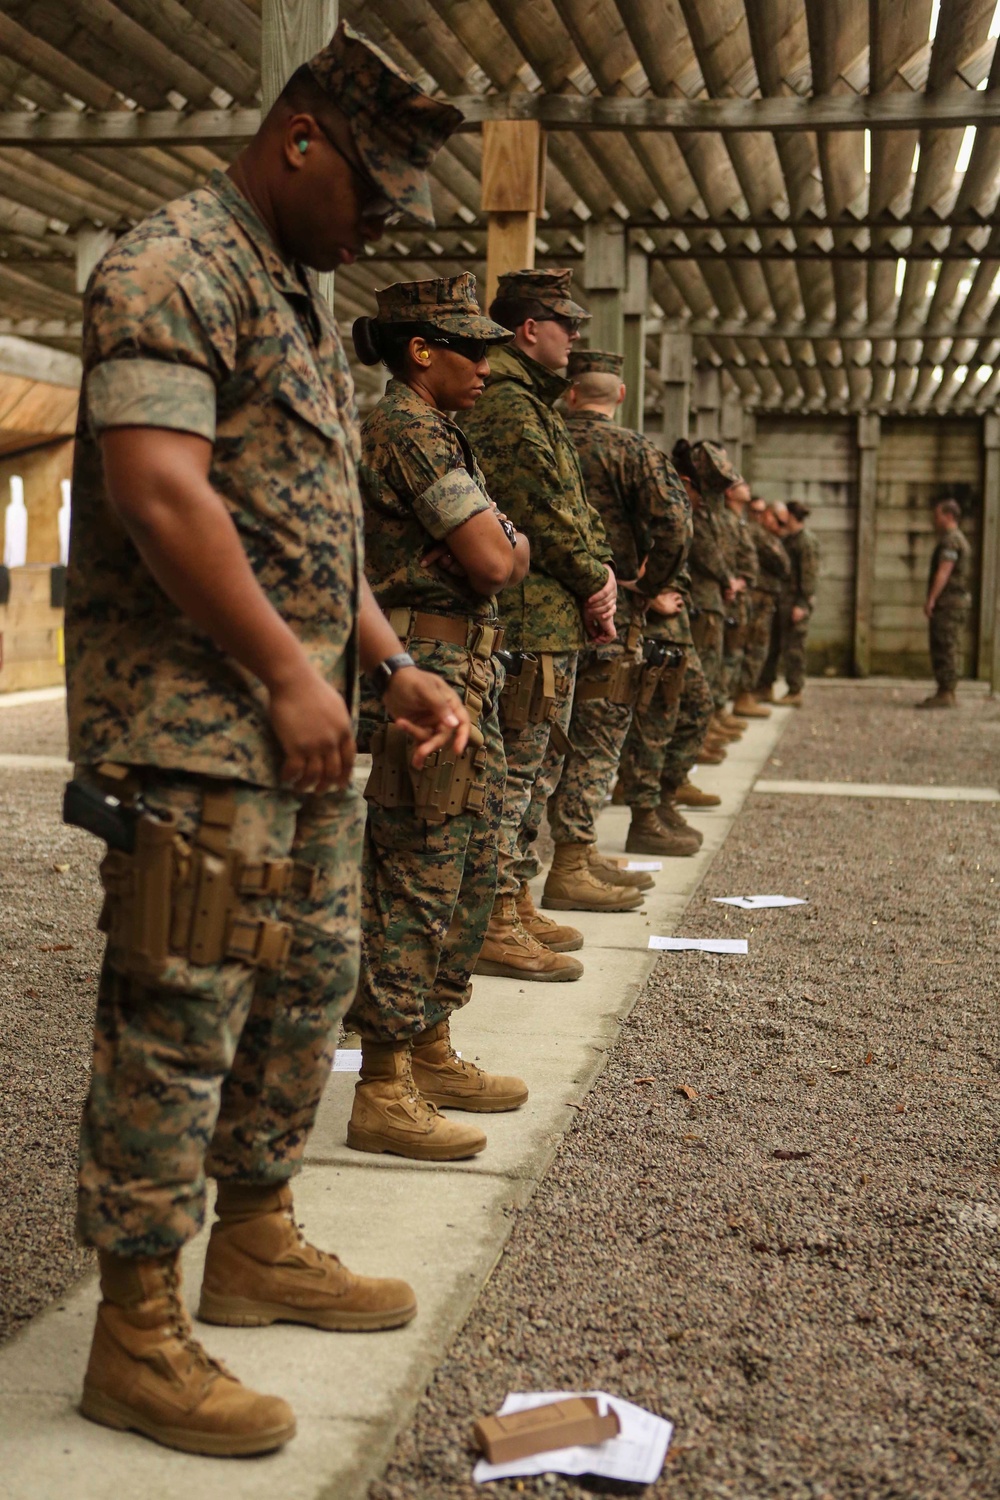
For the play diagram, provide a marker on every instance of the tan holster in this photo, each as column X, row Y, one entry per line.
column 701, row 628
column 178, row 896
column 446, row 784
column 530, row 697
column 617, row 680
column 734, row 637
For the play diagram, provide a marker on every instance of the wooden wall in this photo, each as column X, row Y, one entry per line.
column 41, row 469
column 921, row 460
column 814, row 459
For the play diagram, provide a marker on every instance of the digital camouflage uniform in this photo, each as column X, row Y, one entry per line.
column 533, row 473
column 803, row 557
column 773, row 569
column 711, row 567
column 195, row 322
column 742, row 556
column 948, row 623
column 427, row 888
column 645, row 512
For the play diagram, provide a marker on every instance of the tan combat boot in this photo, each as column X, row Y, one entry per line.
column 511, row 952
column 943, row 698
column 148, row 1374
column 747, row 706
column 689, row 795
column 390, row 1115
column 765, row 694
column 647, row 835
column 669, row 814
column 732, row 724
column 552, row 935
column 450, row 1082
column 711, row 754
column 718, row 731
column 571, row 886
column 790, row 700
column 261, row 1270
column 612, row 874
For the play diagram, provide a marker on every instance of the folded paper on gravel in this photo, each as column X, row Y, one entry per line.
column 635, row 1456
column 758, row 903
column 699, row 945
column 647, row 866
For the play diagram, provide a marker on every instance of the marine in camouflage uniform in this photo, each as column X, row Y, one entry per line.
column 742, row 556
column 803, row 556
column 773, row 570
column 948, row 606
column 711, row 569
column 427, row 885
column 646, row 519
column 213, row 1057
column 533, row 472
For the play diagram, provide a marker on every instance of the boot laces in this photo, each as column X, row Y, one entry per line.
column 180, row 1326
column 412, row 1092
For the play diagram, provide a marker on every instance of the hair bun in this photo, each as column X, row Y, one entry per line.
column 367, row 345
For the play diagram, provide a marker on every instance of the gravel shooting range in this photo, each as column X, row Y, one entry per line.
column 500, row 749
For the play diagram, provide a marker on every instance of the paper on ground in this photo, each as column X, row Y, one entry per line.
column 644, row 864
column 347, row 1060
column 636, row 1454
column 757, row 903
column 699, row 945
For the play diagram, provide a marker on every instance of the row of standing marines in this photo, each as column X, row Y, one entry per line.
column 507, row 609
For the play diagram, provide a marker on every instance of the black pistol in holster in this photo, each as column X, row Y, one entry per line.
column 166, row 894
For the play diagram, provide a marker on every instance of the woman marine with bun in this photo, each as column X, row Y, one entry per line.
column 437, row 551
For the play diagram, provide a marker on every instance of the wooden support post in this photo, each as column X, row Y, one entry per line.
column 603, row 282
column 291, row 32
column 868, row 435
column 634, row 312
column 676, row 357
column 988, row 655
column 91, row 244
column 731, row 427
column 707, row 400
column 513, row 194
column 749, row 441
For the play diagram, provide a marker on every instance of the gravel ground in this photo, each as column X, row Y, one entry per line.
column 799, row 1266
column 34, row 728
column 50, row 897
column 873, row 734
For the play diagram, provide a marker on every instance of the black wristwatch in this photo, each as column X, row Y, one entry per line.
column 383, row 674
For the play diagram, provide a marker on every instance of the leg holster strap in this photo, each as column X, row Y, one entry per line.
column 446, row 784
column 182, row 897
column 617, row 680
column 671, row 683
column 529, row 696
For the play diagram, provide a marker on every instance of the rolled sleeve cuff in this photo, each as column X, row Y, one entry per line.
column 449, row 502
column 151, row 393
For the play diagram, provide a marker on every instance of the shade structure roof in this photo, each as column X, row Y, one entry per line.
column 815, row 183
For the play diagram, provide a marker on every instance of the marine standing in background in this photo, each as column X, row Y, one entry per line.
column 217, row 617
column 776, row 521
column 567, row 599
column 948, row 603
column 436, row 553
column 773, row 569
column 744, row 563
column 803, row 554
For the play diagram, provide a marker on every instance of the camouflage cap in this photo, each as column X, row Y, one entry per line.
column 396, row 127
column 448, row 303
column 713, row 466
column 594, row 362
column 550, row 289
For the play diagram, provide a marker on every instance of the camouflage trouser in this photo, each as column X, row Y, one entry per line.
column 533, row 769
column 427, row 894
column 220, row 1068
column 597, row 731
column 733, row 648
column 760, row 612
column 947, row 641
column 663, row 743
column 787, row 650
column 708, row 630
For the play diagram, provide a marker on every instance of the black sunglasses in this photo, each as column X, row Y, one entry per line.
column 472, row 349
column 377, row 205
column 571, row 325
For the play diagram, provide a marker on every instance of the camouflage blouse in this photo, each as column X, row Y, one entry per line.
column 419, row 481
column 195, row 322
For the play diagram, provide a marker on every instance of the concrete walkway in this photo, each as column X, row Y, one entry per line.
column 442, row 1227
